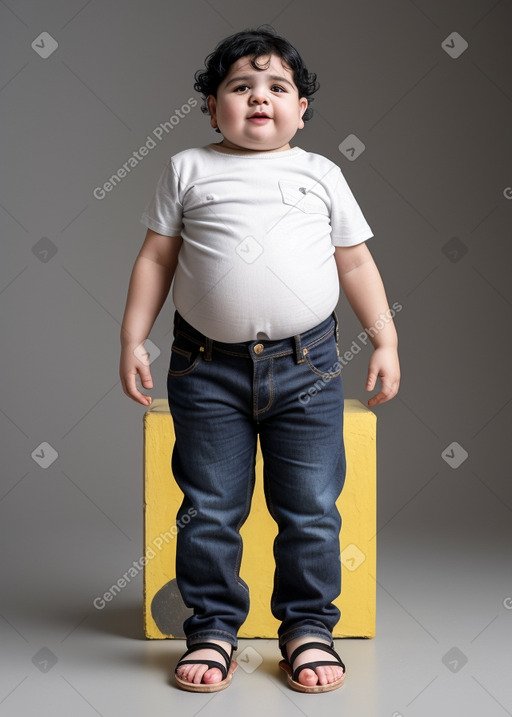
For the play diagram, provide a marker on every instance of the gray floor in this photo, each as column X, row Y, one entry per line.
column 444, row 630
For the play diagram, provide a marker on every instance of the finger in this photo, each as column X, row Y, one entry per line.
column 387, row 392
column 375, row 400
column 145, row 376
column 370, row 381
column 131, row 390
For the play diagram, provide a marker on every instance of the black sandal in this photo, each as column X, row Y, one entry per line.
column 293, row 682
column 224, row 668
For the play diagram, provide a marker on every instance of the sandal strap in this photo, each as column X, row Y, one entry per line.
column 311, row 665
column 311, row 646
column 211, row 663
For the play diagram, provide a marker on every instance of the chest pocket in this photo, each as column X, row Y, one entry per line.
column 298, row 195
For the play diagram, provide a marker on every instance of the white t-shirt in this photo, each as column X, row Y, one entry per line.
column 259, row 232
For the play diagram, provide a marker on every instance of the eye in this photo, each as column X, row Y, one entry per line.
column 279, row 88
column 240, row 87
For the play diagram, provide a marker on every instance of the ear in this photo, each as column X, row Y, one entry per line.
column 303, row 105
column 212, row 106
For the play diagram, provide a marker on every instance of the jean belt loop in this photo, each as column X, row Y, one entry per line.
column 299, row 356
column 208, row 349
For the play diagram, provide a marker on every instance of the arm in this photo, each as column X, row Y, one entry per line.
column 150, row 282
column 363, row 287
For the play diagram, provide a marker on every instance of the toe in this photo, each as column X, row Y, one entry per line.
column 184, row 672
column 308, row 678
column 338, row 672
column 212, row 676
column 323, row 675
column 331, row 674
column 196, row 674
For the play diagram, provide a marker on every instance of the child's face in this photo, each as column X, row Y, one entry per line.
column 246, row 91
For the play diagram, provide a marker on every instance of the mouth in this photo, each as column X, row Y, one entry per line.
column 259, row 118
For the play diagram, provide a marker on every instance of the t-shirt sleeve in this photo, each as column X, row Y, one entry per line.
column 348, row 225
column 163, row 214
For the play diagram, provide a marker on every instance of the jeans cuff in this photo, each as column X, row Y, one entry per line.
column 206, row 635
column 304, row 631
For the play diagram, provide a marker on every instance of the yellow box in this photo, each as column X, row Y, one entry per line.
column 164, row 610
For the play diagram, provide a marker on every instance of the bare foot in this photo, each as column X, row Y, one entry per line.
column 322, row 675
column 197, row 673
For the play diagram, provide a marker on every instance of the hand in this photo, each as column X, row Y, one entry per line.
column 383, row 364
column 135, row 360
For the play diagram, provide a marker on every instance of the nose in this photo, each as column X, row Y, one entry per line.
column 259, row 97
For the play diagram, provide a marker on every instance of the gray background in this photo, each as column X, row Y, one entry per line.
column 434, row 183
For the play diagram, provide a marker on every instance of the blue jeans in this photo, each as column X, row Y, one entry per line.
column 221, row 396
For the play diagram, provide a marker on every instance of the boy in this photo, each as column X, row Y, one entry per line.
column 258, row 236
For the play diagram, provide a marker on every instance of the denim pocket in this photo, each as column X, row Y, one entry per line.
column 185, row 355
column 323, row 358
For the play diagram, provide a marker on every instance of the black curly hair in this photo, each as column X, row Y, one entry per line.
column 256, row 43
